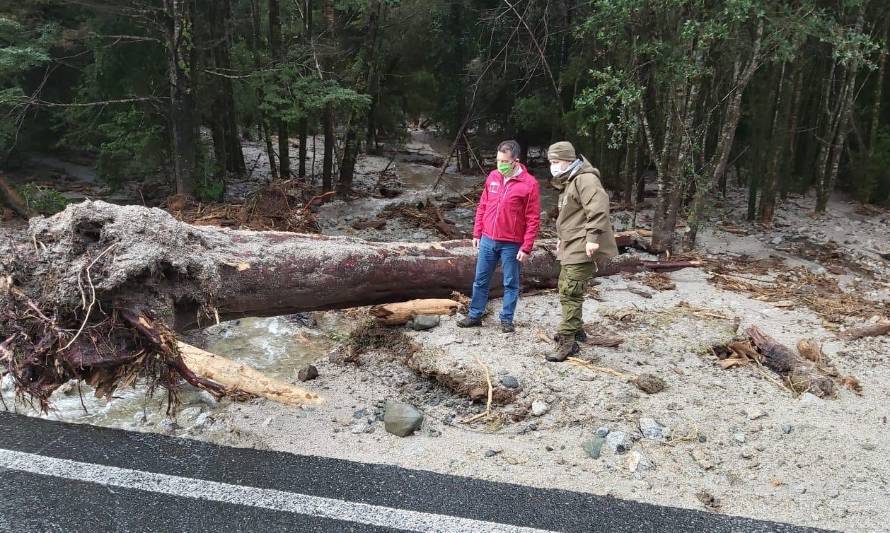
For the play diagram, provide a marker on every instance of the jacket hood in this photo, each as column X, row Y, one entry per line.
column 561, row 181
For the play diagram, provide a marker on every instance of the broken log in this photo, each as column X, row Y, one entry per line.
column 239, row 377
column 396, row 314
column 801, row 375
column 870, row 330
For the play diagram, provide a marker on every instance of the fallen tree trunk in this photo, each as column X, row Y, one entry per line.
column 96, row 285
column 240, row 377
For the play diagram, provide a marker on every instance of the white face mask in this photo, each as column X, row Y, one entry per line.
column 556, row 169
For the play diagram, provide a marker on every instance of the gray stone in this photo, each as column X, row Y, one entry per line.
column 602, row 431
column 739, row 437
column 401, row 419
column 618, row 441
column 809, row 398
column 777, row 240
column 307, row 373
column 786, row 428
column 424, row 322
column 510, row 382
column 168, row 426
column 593, row 446
column 491, row 453
column 753, row 413
column 539, row 408
column 652, row 429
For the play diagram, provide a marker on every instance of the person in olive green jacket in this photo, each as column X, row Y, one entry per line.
column 585, row 237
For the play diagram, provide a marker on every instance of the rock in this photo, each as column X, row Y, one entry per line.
column 425, row 322
column 786, row 428
column 539, row 408
column 401, row 419
column 307, row 373
column 69, row 388
column 777, row 240
column 593, row 446
column 747, row 453
column 809, row 398
column 652, row 429
column 492, row 453
column 649, row 383
column 168, row 426
column 739, row 437
column 754, row 414
column 701, row 458
column 638, row 462
column 618, row 441
column 510, row 382
column 602, row 431
column 203, row 420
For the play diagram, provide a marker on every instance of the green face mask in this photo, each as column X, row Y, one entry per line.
column 505, row 168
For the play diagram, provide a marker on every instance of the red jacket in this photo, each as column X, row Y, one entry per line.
column 509, row 210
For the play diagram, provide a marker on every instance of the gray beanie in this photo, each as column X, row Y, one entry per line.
column 562, row 151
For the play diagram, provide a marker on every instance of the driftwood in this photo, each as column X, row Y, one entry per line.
column 402, row 312
column 801, row 374
column 240, row 377
column 870, row 330
column 99, row 288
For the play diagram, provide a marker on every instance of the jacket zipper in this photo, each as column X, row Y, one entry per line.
column 497, row 214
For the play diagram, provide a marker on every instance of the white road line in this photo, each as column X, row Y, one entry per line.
column 276, row 500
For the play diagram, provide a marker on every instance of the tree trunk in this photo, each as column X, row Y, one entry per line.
column 347, row 166
column 257, row 63
column 793, row 121
column 180, row 60
column 770, row 184
column 278, row 60
column 327, row 165
column 11, row 198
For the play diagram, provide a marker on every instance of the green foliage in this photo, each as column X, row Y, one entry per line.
column 43, row 200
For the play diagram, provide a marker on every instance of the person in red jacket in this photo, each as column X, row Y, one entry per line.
column 507, row 222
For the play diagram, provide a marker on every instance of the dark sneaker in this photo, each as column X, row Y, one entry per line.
column 468, row 322
column 507, row 327
column 565, row 348
column 580, row 336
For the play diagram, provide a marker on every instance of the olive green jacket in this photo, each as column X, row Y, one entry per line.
column 583, row 217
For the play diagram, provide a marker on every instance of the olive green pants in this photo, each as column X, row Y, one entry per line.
column 573, row 281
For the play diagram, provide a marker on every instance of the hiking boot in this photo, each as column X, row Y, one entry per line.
column 468, row 322
column 507, row 327
column 565, row 348
column 580, row 336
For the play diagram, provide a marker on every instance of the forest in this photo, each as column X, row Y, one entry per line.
column 677, row 96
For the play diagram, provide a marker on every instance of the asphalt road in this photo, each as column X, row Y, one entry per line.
column 69, row 477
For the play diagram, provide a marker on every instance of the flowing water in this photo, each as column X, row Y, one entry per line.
column 276, row 346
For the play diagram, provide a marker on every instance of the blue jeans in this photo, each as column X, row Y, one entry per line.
column 490, row 253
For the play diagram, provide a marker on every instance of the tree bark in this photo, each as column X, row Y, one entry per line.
column 278, row 59
column 180, row 60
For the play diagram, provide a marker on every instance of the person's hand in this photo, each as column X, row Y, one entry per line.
column 591, row 247
column 476, row 243
column 521, row 256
